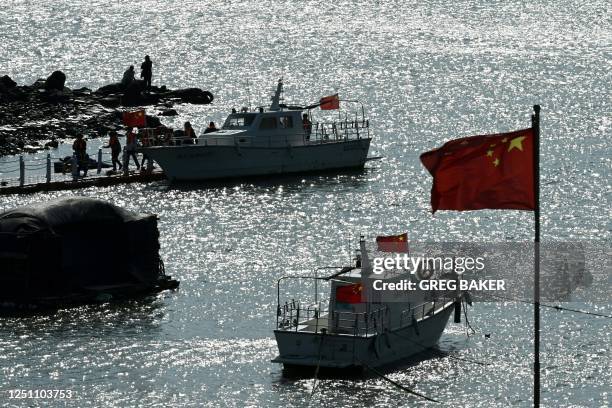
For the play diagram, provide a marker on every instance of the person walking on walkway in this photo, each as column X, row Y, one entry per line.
column 115, row 146
column 130, row 148
column 146, row 72
column 80, row 151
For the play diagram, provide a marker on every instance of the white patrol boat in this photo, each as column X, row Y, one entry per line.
column 357, row 327
column 269, row 142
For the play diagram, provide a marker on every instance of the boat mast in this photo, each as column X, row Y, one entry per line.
column 275, row 106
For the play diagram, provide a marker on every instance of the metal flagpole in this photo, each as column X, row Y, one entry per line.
column 535, row 124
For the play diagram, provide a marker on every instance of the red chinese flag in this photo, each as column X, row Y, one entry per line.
column 134, row 119
column 349, row 293
column 393, row 243
column 330, row 102
column 478, row 172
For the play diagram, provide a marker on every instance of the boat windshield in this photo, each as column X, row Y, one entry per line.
column 239, row 120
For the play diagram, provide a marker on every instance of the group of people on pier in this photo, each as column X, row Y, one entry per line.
column 135, row 137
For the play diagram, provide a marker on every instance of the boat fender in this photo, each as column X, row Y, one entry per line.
column 468, row 298
column 416, row 326
column 237, row 146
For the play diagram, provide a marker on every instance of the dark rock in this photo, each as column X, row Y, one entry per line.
column 153, row 121
column 110, row 101
column 38, row 84
column 192, row 95
column 82, row 91
column 53, row 143
column 55, row 96
column 6, row 83
column 56, row 81
column 135, row 88
column 135, row 95
column 110, row 89
column 168, row 112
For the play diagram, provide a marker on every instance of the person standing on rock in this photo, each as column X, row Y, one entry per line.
column 80, row 151
column 128, row 77
column 130, row 148
column 146, row 72
column 115, row 146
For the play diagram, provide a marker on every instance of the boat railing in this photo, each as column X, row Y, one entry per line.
column 368, row 323
column 418, row 312
column 323, row 132
column 293, row 316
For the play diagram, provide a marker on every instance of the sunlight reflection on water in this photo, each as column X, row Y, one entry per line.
column 427, row 72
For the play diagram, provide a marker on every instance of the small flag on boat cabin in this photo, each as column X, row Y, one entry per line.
column 349, row 293
column 330, row 102
column 134, row 119
column 487, row 171
column 393, row 243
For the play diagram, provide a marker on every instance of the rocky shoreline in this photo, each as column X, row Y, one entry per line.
column 34, row 117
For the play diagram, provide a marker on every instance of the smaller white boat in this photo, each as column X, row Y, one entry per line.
column 369, row 330
column 276, row 141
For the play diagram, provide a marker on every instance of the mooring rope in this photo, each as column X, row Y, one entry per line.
column 398, row 385
column 316, row 374
column 557, row 307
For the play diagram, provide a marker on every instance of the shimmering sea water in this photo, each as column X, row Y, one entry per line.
column 427, row 72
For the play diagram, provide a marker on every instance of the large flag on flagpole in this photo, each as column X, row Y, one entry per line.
column 499, row 171
column 487, row 171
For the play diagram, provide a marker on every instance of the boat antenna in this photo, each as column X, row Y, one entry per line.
column 349, row 250
column 248, row 94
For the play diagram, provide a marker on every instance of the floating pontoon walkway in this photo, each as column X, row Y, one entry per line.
column 92, row 181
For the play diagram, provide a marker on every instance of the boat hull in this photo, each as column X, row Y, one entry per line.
column 198, row 162
column 345, row 351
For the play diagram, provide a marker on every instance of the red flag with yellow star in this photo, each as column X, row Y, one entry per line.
column 349, row 293
column 330, row 102
column 478, row 172
column 393, row 243
column 135, row 119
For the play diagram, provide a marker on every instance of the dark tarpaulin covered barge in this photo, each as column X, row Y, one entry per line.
column 77, row 250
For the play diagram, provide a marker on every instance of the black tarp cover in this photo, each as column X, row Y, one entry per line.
column 74, row 245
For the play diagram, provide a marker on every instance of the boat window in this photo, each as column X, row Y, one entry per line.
column 268, row 122
column 286, row 121
column 239, row 120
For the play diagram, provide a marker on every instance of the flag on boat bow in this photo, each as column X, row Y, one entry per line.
column 393, row 243
column 330, row 102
